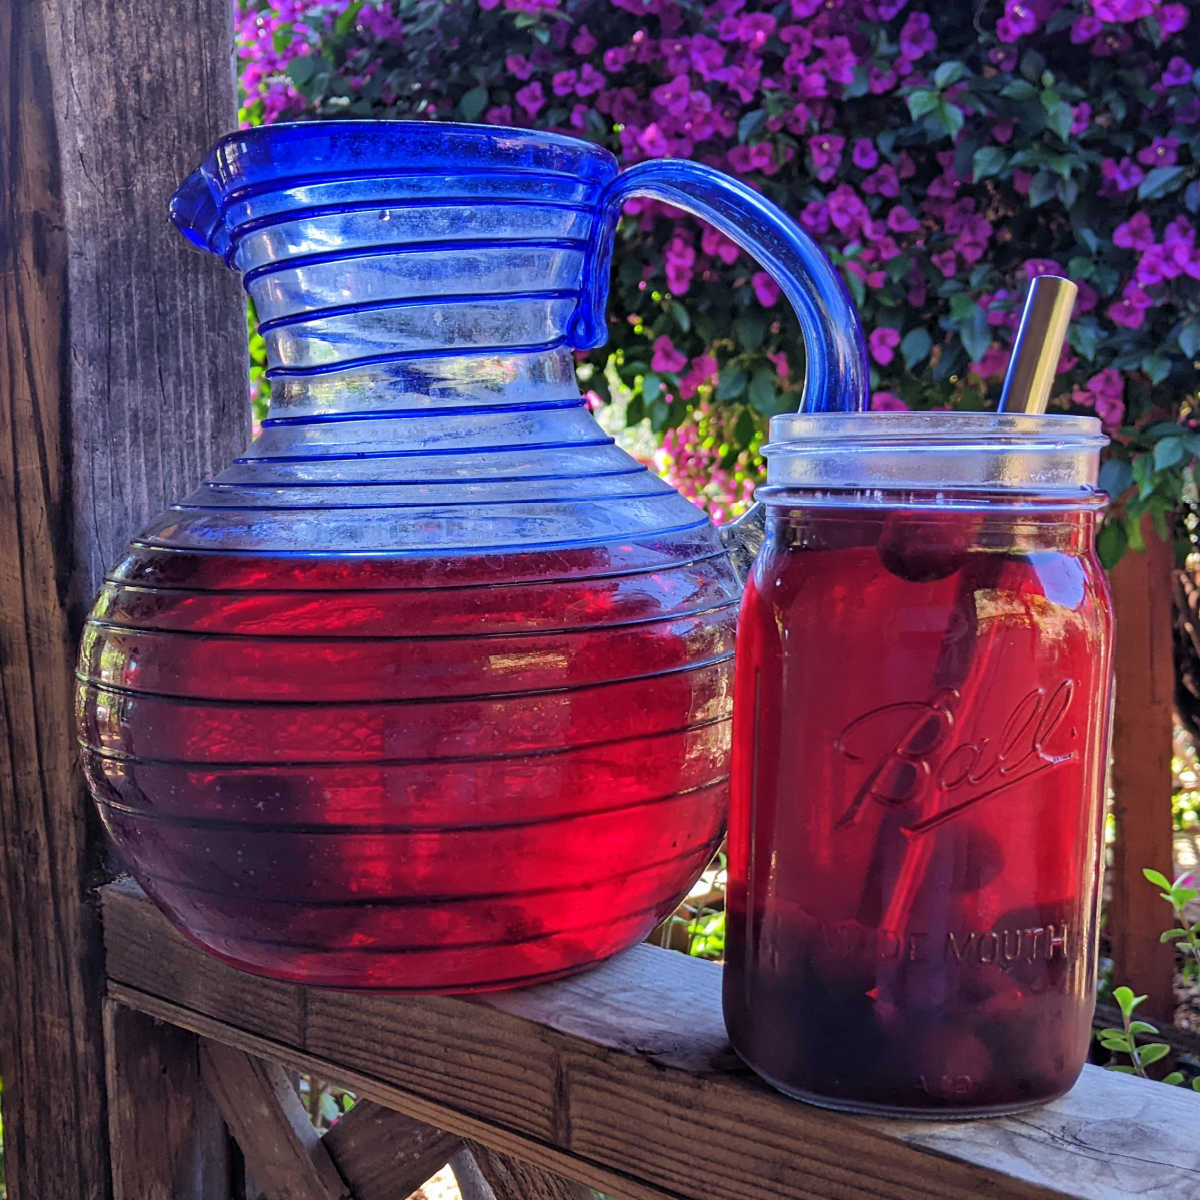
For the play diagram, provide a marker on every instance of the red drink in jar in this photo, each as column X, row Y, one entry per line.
column 920, row 739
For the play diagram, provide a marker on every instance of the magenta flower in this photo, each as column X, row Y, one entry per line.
column 1155, row 266
column 1162, row 152
column 887, row 402
column 673, row 96
column 826, row 151
column 838, row 59
column 882, row 343
column 616, row 58
column 883, row 182
column 583, row 43
column 531, row 98
column 1085, row 29
column 652, row 140
column 1125, row 312
column 814, row 216
column 716, row 245
column 846, row 210
column 590, row 81
column 888, row 9
column 1087, row 299
column 1122, row 10
column 666, row 357
column 993, row 363
column 900, row 220
column 779, row 361
column 563, row 83
column 517, row 65
column 1172, row 18
column 946, row 261
column 1104, row 392
column 1124, row 175
column 865, row 155
column 1041, row 266
column 765, row 288
column 1134, row 234
column 1021, row 18
column 1178, row 73
column 917, row 37
column 1082, row 118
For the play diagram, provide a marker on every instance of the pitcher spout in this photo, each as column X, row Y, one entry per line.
column 194, row 212
column 743, row 539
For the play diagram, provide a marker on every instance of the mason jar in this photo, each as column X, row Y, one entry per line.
column 921, row 728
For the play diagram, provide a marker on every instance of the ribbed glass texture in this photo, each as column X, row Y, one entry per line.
column 430, row 689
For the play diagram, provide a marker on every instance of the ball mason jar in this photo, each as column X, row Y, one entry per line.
column 921, row 729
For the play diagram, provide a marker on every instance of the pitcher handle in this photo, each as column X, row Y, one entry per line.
column 837, row 374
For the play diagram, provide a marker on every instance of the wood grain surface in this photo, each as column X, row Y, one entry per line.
column 622, row 1079
column 1143, row 726
column 168, row 1140
column 121, row 383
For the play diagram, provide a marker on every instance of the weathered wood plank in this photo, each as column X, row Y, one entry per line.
column 606, row 1078
column 120, row 379
column 511, row 1179
column 385, row 1155
column 262, row 1109
column 168, row 1141
column 1143, row 724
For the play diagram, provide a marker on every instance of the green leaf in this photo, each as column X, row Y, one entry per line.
column 300, row 70
column 1085, row 339
column 1172, row 935
column 682, row 317
column 762, row 391
column 1122, row 1070
column 948, row 73
column 1175, row 1077
column 921, row 102
column 1189, row 338
column 988, row 161
column 635, row 410
column 1060, row 118
column 1111, row 543
column 651, row 386
column 471, row 104
column 915, row 347
column 744, row 428
column 1042, row 188
column 750, row 331
column 1018, row 89
column 1196, row 1084
column 282, row 38
column 1152, row 1052
column 1160, row 181
column 1116, row 477
column 1126, row 1000
column 1141, row 1027
column 1157, row 878
column 1079, row 267
column 731, row 383
column 750, row 124
column 1156, row 367
column 1168, row 452
column 950, row 117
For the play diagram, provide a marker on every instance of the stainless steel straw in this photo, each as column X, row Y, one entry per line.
column 1038, row 344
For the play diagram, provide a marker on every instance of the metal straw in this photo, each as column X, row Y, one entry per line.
column 1038, row 345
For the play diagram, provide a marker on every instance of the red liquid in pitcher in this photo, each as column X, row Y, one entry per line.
column 920, row 732
column 411, row 774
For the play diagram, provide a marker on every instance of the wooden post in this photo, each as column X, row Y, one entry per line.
column 121, row 384
column 1141, row 772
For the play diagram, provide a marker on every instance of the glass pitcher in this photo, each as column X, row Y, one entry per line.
column 430, row 690
column 920, row 742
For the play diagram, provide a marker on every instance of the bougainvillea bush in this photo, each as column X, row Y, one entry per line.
column 943, row 155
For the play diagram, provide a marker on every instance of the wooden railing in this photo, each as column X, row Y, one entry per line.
column 621, row 1079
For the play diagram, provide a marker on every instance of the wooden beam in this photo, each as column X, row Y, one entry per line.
column 606, row 1078
column 385, row 1155
column 168, row 1141
column 121, row 368
column 511, row 1179
column 282, row 1149
column 1143, row 727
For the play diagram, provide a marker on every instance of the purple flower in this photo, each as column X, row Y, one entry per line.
column 1082, row 118
column 888, row 9
column 882, row 344
column 673, row 96
column 1172, row 18
column 1124, row 175
column 1134, row 234
column 946, row 261
column 1122, row 10
column 838, row 60
column 826, row 150
column 653, row 141
column 563, row 83
column 887, row 402
column 1178, row 73
column 1125, row 312
column 531, row 98
column 518, row 66
column 1105, row 393
column 1041, row 266
column 846, row 210
column 993, row 362
column 1160, row 153
column 765, row 288
column 865, row 155
column 815, row 217
column 900, row 220
column 1085, row 29
column 879, row 81
column 583, row 43
column 917, row 37
column 666, row 357
column 1155, row 266
column 883, row 182
column 1021, row 17
column 680, row 260
column 1111, row 43
column 717, row 245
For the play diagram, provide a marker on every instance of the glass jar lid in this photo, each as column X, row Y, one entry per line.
column 1052, row 455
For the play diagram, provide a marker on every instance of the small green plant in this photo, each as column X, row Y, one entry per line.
column 1124, row 1041
column 1179, row 895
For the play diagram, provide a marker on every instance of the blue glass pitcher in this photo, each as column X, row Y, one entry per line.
column 430, row 689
